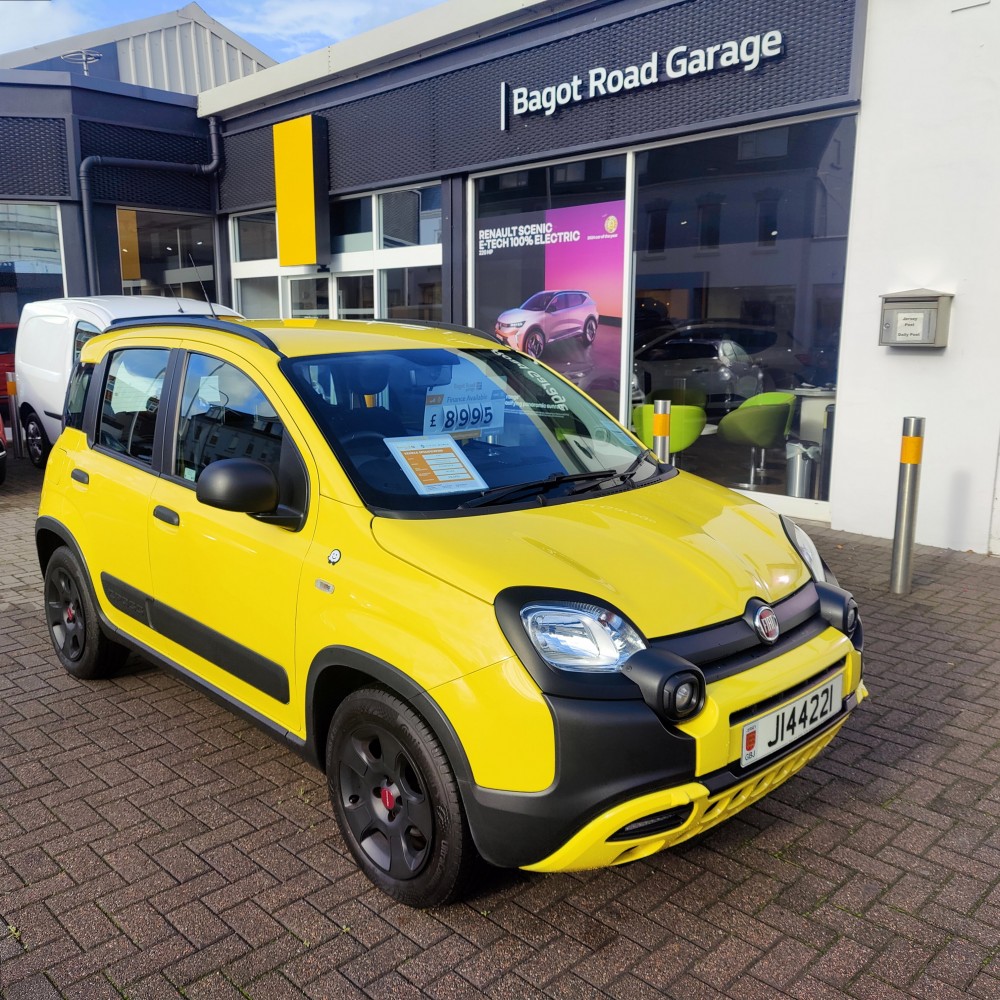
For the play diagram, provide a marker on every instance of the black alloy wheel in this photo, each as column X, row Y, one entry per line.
column 589, row 331
column 81, row 646
column 396, row 800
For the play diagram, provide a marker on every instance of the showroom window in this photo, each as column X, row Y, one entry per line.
column 30, row 257
column 256, row 236
column 756, row 321
column 166, row 253
column 547, row 231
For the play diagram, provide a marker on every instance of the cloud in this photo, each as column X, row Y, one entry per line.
column 35, row 22
column 285, row 29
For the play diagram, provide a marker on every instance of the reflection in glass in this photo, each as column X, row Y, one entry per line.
column 413, row 293
column 256, row 236
column 760, row 313
column 257, row 298
column 351, row 225
column 310, row 297
column 411, row 218
column 30, row 257
column 356, row 296
column 163, row 253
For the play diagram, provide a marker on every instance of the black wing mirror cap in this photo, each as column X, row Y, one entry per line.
column 238, row 484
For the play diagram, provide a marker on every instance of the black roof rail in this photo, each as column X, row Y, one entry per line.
column 199, row 320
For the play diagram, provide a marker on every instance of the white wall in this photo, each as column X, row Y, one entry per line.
column 925, row 213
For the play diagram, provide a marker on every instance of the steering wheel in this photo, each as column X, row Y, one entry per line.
column 363, row 436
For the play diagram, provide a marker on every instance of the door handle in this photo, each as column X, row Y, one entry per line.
column 80, row 476
column 166, row 514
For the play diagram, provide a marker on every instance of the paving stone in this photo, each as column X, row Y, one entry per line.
column 153, row 846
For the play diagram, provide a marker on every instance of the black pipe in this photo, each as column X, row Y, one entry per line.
column 86, row 198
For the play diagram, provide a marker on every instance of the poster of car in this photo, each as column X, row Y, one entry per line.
column 549, row 284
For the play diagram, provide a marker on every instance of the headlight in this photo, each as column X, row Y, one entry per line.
column 580, row 637
column 511, row 326
column 806, row 548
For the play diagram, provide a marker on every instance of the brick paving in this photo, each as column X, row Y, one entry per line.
column 154, row 846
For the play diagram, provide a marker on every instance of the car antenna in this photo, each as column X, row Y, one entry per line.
column 211, row 304
column 173, row 294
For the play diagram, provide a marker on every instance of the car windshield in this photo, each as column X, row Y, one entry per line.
column 439, row 430
column 538, row 302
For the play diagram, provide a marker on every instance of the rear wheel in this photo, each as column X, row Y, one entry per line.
column 396, row 800
column 83, row 649
column 36, row 442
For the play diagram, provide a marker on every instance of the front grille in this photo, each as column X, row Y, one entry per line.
column 730, row 647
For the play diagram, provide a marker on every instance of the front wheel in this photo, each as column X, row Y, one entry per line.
column 534, row 343
column 36, row 442
column 396, row 800
column 589, row 331
column 83, row 649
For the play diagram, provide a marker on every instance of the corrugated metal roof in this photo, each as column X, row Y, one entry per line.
column 185, row 51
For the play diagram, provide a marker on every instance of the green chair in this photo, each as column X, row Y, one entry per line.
column 686, row 425
column 761, row 426
column 774, row 398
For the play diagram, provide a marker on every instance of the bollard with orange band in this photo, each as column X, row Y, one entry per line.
column 661, row 429
column 910, row 456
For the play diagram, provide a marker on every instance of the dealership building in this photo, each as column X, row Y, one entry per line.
column 695, row 200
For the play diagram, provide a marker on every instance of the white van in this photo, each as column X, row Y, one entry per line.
column 49, row 337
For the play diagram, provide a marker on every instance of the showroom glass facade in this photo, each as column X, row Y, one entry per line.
column 738, row 247
column 31, row 264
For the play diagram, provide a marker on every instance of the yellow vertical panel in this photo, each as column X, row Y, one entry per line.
column 128, row 244
column 295, row 191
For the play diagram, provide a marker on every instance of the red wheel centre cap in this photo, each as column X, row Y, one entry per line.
column 388, row 799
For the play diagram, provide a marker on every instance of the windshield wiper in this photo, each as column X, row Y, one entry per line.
column 626, row 475
column 497, row 494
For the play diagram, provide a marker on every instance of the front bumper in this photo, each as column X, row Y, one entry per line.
column 600, row 844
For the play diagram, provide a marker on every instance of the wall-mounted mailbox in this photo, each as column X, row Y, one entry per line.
column 918, row 318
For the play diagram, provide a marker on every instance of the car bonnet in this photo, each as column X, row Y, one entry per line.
column 673, row 556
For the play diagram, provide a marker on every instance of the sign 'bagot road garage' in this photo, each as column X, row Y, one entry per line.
column 600, row 81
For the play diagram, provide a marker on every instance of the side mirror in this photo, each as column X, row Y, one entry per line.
column 238, row 484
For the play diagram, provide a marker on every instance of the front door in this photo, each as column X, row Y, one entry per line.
column 227, row 584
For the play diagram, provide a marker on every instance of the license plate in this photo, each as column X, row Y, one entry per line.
column 771, row 732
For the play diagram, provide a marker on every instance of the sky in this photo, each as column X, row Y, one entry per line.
column 282, row 29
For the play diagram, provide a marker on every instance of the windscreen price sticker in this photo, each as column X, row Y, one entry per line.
column 473, row 409
column 435, row 464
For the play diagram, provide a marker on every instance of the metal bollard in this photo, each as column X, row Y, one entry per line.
column 906, row 505
column 661, row 429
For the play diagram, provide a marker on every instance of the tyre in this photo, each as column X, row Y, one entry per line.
column 589, row 331
column 36, row 443
column 82, row 648
column 396, row 800
column 534, row 343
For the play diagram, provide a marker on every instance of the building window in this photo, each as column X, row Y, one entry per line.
column 256, row 236
column 351, row 225
column 767, row 220
column 163, row 253
column 410, row 218
column 257, row 298
column 30, row 257
column 413, row 293
column 709, row 225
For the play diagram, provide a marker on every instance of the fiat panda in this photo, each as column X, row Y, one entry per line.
column 447, row 578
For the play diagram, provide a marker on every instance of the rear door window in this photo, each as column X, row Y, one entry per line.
column 131, row 402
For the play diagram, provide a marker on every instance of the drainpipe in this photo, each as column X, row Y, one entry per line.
column 86, row 198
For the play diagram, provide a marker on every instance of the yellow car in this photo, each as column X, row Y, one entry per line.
column 449, row 579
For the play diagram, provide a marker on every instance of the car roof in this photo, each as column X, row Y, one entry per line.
column 107, row 308
column 303, row 337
